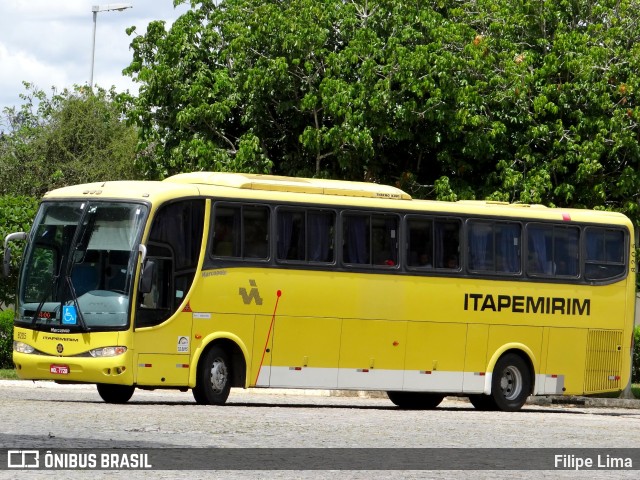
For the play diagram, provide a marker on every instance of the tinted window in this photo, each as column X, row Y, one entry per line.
column 305, row 235
column 433, row 243
column 553, row 250
column 494, row 246
column 604, row 253
column 370, row 239
column 241, row 231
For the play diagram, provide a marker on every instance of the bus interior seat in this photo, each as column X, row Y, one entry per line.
column 84, row 278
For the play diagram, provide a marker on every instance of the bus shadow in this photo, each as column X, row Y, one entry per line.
column 351, row 406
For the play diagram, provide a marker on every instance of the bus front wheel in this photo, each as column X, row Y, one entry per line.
column 415, row 400
column 115, row 393
column 510, row 383
column 214, row 378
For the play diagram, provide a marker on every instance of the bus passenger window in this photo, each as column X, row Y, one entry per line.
column 566, row 251
column 370, row 239
column 552, row 250
column 384, row 233
column 540, row 259
column 433, row 242
column 226, row 232
column 320, row 236
column 356, row 239
column 605, row 253
column 291, row 235
column 305, row 235
column 420, row 238
column 240, row 231
column 494, row 247
column 481, row 248
column 256, row 232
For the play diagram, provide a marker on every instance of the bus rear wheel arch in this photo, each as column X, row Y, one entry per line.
column 511, row 385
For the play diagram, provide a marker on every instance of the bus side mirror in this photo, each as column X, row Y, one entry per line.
column 6, row 261
column 146, row 277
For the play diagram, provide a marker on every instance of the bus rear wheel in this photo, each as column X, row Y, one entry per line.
column 415, row 400
column 214, row 378
column 115, row 393
column 510, row 383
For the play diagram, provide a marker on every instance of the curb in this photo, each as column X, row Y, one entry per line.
column 587, row 402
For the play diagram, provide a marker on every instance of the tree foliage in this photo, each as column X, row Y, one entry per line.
column 16, row 215
column 519, row 101
column 74, row 136
column 51, row 141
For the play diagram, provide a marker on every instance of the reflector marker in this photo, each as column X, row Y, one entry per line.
column 425, row 372
column 145, row 365
column 182, row 365
column 295, row 368
column 481, row 374
column 362, row 370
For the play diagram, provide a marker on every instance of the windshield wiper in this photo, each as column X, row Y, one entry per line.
column 36, row 314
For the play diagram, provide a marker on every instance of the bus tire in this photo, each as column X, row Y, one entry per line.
column 115, row 393
column 484, row 403
column 214, row 378
column 510, row 383
column 415, row 400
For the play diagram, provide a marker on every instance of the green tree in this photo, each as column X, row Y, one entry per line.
column 16, row 215
column 518, row 101
column 74, row 136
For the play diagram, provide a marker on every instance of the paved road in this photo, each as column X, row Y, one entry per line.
column 46, row 415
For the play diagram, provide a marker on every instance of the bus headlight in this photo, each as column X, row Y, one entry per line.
column 107, row 351
column 22, row 347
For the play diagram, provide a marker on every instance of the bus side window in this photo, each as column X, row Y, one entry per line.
column 539, row 247
column 226, row 231
column 174, row 247
column 384, row 233
column 356, row 239
column 370, row 239
column 566, row 250
column 255, row 232
column 604, row 253
column 446, row 243
column 305, row 235
column 320, row 236
column 420, row 242
column 481, row 246
column 494, row 247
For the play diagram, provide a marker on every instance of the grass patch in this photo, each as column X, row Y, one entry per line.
column 8, row 374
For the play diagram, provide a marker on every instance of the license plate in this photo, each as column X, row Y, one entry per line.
column 59, row 369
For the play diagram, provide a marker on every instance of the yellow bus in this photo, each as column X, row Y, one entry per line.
column 207, row 281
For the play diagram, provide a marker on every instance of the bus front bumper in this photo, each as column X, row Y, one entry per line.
column 115, row 369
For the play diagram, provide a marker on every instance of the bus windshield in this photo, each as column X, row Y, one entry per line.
column 78, row 267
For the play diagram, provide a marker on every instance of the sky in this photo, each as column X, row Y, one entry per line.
column 48, row 43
